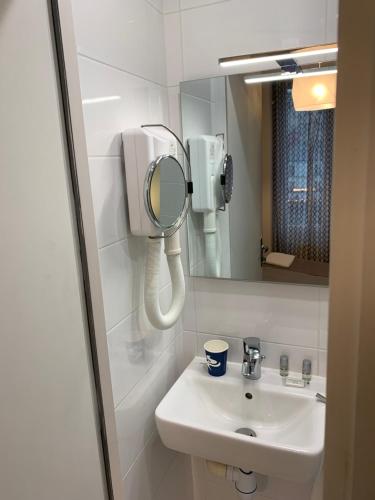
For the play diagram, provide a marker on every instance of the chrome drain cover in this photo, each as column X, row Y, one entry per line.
column 246, row 431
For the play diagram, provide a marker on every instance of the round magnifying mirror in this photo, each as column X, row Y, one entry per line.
column 166, row 196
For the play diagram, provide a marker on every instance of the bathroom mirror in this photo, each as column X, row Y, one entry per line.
column 166, row 197
column 275, row 225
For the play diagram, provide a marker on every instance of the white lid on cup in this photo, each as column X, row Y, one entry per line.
column 216, row 346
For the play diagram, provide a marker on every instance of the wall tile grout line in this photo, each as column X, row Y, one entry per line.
column 138, row 306
column 182, row 44
column 195, row 307
column 173, row 339
column 103, row 156
column 125, row 318
column 203, row 332
column 121, row 240
column 118, row 68
column 203, row 6
column 148, row 2
column 152, row 436
column 178, row 9
column 169, row 468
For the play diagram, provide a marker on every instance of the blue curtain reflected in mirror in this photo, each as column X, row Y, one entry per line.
column 302, row 177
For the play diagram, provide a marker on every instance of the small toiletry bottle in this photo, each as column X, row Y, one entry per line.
column 306, row 371
column 284, row 365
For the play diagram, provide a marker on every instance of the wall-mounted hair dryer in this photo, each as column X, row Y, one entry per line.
column 210, row 168
column 158, row 200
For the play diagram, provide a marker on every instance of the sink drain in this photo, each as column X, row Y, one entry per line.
column 246, row 431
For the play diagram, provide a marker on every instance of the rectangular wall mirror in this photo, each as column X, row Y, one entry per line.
column 255, row 129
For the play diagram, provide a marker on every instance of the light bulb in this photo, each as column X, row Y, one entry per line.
column 314, row 93
column 319, row 91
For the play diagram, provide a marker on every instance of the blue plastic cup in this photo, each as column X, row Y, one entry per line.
column 216, row 357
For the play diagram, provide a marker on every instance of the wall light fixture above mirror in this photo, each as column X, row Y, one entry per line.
column 315, row 65
column 314, row 51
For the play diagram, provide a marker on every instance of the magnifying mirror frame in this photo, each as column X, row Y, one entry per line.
column 147, row 196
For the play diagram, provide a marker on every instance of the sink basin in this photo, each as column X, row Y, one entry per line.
column 201, row 414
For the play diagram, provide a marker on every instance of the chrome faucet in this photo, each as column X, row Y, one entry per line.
column 252, row 358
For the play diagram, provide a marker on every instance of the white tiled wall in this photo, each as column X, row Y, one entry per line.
column 125, row 34
column 210, row 29
column 133, row 54
column 289, row 319
column 268, row 488
column 123, row 82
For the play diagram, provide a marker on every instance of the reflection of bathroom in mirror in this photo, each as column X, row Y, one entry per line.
column 276, row 224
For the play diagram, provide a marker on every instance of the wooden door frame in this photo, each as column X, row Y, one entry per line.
column 350, row 424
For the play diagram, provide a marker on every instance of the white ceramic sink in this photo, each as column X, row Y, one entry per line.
column 200, row 414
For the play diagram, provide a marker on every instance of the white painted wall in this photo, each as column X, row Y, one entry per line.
column 50, row 447
column 121, row 55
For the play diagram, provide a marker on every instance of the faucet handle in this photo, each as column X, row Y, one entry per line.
column 251, row 343
column 252, row 359
column 321, row 398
